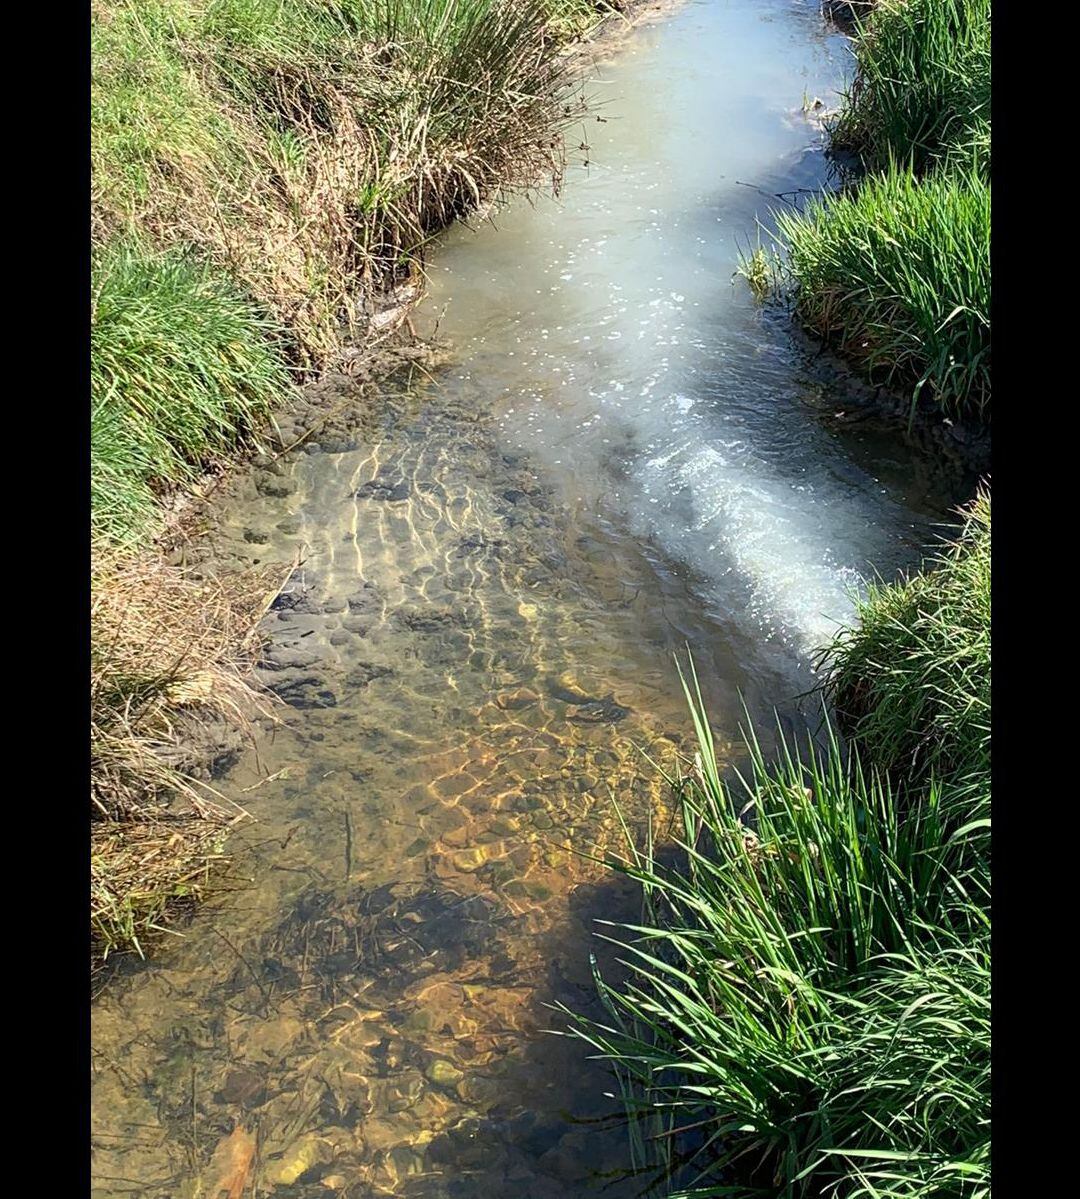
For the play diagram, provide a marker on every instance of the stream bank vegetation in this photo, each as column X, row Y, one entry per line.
column 170, row 651
column 807, row 1007
column 894, row 269
column 262, row 171
column 806, row 1010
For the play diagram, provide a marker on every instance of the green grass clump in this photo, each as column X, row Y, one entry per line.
column 921, row 94
column 182, row 369
column 807, row 1007
column 911, row 679
column 896, row 274
column 894, row 270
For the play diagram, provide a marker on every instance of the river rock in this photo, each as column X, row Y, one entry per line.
column 391, row 491
column 296, row 599
column 365, row 601
column 300, row 690
column 599, row 711
column 364, row 673
column 280, row 657
column 443, row 1073
column 244, row 1087
column 430, row 620
column 310, row 1150
column 273, row 485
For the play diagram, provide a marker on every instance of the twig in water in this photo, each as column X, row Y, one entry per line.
column 251, row 969
column 348, row 845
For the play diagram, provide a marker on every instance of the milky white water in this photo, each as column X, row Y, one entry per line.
column 606, row 329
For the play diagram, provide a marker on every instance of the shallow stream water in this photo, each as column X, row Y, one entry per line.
column 625, row 456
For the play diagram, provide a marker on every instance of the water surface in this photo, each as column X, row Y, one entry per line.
column 625, row 456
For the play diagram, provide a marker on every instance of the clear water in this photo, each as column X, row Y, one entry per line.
column 625, row 456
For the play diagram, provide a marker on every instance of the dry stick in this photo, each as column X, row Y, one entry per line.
column 251, row 969
column 348, row 845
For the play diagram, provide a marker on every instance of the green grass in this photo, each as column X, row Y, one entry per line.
column 896, row 274
column 911, row 678
column 806, row 1011
column 894, row 270
column 183, row 368
column 921, row 94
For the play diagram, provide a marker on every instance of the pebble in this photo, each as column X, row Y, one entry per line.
column 273, row 485
column 443, row 1073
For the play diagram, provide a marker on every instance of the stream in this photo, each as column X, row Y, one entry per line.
column 624, row 456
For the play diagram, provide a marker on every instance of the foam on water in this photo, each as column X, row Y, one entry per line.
column 618, row 351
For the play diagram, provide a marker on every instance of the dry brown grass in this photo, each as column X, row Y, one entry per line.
column 167, row 645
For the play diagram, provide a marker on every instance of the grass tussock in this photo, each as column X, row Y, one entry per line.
column 167, row 648
column 894, row 270
column 911, row 678
column 896, row 274
column 807, row 1009
column 921, row 94
column 183, row 368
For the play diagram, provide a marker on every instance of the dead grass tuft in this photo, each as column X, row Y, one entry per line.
column 167, row 645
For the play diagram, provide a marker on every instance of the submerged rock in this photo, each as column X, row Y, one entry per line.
column 364, row 673
column 310, row 1150
column 280, row 657
column 303, row 691
column 386, row 490
column 273, row 485
column 600, row 711
column 511, row 701
column 443, row 1073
